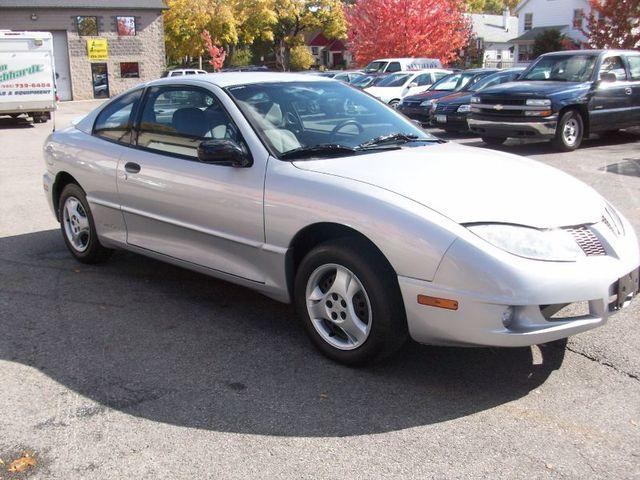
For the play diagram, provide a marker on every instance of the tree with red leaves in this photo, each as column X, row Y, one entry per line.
column 216, row 53
column 407, row 28
column 613, row 24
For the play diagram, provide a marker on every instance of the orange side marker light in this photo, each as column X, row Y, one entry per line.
column 438, row 302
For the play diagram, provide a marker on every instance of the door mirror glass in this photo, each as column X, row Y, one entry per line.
column 413, row 84
column 223, row 152
column 608, row 77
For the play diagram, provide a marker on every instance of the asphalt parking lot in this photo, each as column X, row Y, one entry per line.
column 136, row 369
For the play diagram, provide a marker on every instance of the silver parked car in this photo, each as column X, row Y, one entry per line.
column 311, row 191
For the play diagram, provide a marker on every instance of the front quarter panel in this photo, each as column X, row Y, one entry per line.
column 411, row 236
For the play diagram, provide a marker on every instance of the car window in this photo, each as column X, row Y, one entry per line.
column 438, row 75
column 634, row 66
column 614, row 65
column 115, row 121
column 176, row 74
column 176, row 119
column 422, row 80
column 493, row 79
column 190, row 72
column 394, row 67
column 374, row 67
column 291, row 115
column 563, row 68
column 395, row 80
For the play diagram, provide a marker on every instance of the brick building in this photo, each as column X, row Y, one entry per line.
column 101, row 47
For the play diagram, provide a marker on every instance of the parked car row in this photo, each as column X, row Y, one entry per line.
column 562, row 97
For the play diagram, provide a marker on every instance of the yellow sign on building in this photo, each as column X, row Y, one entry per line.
column 97, row 49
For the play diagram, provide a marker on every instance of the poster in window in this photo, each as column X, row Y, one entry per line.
column 126, row 26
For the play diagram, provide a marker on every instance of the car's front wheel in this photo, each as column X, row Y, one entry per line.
column 569, row 132
column 78, row 227
column 350, row 302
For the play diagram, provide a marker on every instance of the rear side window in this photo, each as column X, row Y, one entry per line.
column 393, row 67
column 422, row 80
column 116, row 119
column 634, row 67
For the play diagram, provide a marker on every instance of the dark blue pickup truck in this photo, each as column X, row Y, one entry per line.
column 563, row 97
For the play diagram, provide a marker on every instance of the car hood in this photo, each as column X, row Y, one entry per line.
column 385, row 93
column 533, row 88
column 429, row 95
column 468, row 184
column 457, row 97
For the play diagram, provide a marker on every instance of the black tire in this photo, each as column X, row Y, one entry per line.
column 562, row 141
column 494, row 140
column 394, row 103
column 388, row 329
column 94, row 252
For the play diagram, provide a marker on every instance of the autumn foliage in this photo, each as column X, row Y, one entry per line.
column 613, row 24
column 407, row 28
column 216, row 53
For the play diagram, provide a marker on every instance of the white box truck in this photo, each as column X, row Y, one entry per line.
column 27, row 78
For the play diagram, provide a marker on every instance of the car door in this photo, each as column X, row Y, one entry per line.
column 173, row 204
column 633, row 62
column 419, row 84
column 611, row 100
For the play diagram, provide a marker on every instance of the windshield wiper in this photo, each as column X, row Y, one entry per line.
column 324, row 149
column 394, row 137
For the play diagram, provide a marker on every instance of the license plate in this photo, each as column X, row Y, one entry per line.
column 441, row 118
column 628, row 286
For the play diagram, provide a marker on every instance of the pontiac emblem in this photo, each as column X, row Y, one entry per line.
column 497, row 107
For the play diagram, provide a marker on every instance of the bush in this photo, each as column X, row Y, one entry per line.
column 240, row 57
column 300, row 58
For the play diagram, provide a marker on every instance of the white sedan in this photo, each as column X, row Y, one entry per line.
column 312, row 192
column 398, row 85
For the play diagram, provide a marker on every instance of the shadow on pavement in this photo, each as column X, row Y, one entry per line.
column 170, row 345
column 628, row 166
column 525, row 147
column 9, row 122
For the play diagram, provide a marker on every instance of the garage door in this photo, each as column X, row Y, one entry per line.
column 61, row 55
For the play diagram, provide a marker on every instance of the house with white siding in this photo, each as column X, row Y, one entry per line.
column 536, row 16
column 493, row 34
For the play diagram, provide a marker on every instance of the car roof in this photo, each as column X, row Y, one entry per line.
column 227, row 79
column 588, row 52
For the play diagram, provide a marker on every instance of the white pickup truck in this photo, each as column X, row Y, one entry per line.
column 27, row 79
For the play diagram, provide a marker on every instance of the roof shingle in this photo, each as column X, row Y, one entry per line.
column 102, row 4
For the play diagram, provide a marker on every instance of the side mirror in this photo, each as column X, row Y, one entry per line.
column 413, row 84
column 608, row 77
column 223, row 152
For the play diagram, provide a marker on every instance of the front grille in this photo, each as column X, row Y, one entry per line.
column 502, row 101
column 444, row 108
column 501, row 113
column 587, row 241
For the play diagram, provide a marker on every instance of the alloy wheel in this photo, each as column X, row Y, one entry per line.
column 76, row 224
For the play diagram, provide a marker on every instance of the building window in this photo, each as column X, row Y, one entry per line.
column 528, row 21
column 126, row 26
column 87, row 26
column 129, row 70
column 578, row 15
column 314, row 50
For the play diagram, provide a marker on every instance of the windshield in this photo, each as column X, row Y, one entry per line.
column 295, row 115
column 563, row 68
column 395, row 80
column 375, row 67
column 493, row 79
column 453, row 82
column 362, row 80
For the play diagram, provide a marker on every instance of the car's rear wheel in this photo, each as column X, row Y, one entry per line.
column 569, row 132
column 350, row 302
column 394, row 103
column 494, row 140
column 78, row 227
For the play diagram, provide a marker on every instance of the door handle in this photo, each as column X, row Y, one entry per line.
column 627, row 90
column 132, row 167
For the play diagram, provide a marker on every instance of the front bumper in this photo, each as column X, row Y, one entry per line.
column 454, row 121
column 416, row 113
column 512, row 127
column 487, row 286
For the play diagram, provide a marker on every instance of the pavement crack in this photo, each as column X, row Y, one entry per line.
column 604, row 363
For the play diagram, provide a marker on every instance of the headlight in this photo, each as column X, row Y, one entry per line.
column 553, row 245
column 539, row 102
column 426, row 103
column 464, row 108
column 475, row 99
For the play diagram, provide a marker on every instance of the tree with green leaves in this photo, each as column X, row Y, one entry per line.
column 549, row 40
